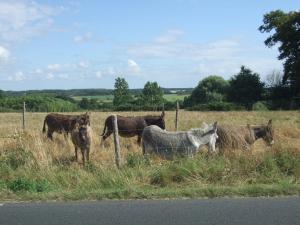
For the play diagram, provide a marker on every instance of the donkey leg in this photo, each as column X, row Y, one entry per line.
column 76, row 155
column 83, row 156
column 139, row 140
column 88, row 154
column 49, row 134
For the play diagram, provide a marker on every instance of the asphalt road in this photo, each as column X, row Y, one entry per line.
column 239, row 211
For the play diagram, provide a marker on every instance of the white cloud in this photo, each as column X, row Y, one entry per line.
column 221, row 57
column 133, row 67
column 184, row 50
column 20, row 20
column 38, row 71
column 4, row 54
column 18, row 76
column 83, row 64
column 98, row 74
column 63, row 76
column 54, row 67
column 169, row 37
column 49, row 76
column 79, row 39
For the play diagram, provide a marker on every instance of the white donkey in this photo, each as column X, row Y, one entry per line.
column 167, row 144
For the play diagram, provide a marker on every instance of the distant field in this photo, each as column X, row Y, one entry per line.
column 109, row 98
column 174, row 97
column 101, row 98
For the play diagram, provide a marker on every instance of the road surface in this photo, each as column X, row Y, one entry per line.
column 231, row 211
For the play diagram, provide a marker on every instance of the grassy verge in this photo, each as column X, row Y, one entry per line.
column 271, row 173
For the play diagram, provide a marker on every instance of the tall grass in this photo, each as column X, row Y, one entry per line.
column 32, row 167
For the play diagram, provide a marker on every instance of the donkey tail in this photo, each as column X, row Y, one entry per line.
column 104, row 129
column 44, row 126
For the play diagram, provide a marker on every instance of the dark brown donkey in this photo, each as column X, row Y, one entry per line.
column 61, row 123
column 81, row 137
column 132, row 126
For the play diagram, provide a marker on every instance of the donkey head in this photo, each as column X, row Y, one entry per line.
column 265, row 132
column 269, row 133
column 156, row 120
column 213, row 138
column 83, row 134
column 207, row 134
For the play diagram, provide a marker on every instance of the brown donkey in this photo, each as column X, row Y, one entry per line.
column 82, row 138
column 231, row 137
column 132, row 126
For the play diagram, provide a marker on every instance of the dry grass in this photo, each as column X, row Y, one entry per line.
column 49, row 156
column 286, row 124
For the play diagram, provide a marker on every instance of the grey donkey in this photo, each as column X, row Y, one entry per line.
column 167, row 144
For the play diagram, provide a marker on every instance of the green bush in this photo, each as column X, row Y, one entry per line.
column 216, row 106
column 289, row 164
column 260, row 106
column 25, row 184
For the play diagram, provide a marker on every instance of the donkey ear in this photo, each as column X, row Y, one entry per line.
column 162, row 114
column 215, row 125
column 270, row 123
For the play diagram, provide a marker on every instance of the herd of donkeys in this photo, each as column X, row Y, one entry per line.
column 152, row 135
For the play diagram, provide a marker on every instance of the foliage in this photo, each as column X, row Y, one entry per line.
column 25, row 184
column 35, row 103
column 152, row 94
column 245, row 88
column 210, row 89
column 121, row 92
column 286, row 27
column 260, row 106
column 1, row 94
column 216, row 106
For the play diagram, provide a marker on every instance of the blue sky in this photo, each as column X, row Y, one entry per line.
column 87, row 44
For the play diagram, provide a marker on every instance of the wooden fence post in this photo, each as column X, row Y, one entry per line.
column 176, row 117
column 117, row 142
column 23, row 118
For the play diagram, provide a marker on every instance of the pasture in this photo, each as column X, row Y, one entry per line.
column 33, row 167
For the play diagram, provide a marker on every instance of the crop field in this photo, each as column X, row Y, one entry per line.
column 33, row 167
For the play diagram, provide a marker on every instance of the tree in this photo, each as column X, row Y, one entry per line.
column 152, row 94
column 287, row 35
column 121, row 92
column 245, row 88
column 1, row 94
column 277, row 91
column 84, row 103
column 210, row 89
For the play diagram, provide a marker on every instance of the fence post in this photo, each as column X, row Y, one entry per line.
column 117, row 142
column 23, row 118
column 176, row 116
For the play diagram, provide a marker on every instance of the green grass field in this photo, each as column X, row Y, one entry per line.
column 100, row 98
column 109, row 98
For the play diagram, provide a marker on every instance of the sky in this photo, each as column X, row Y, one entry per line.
column 55, row 44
